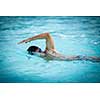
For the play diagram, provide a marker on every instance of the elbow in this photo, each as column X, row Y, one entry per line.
column 48, row 34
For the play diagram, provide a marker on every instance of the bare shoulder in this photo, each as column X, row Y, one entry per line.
column 54, row 54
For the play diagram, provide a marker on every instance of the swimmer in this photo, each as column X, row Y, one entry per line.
column 50, row 52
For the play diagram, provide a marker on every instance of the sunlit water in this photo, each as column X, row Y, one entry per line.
column 72, row 36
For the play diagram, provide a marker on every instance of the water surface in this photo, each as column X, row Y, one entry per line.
column 72, row 36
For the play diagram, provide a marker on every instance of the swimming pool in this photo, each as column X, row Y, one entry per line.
column 73, row 35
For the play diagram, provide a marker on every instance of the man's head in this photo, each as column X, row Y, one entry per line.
column 33, row 49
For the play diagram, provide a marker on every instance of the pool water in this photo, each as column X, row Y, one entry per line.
column 72, row 35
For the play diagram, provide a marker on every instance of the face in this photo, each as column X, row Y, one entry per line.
column 37, row 50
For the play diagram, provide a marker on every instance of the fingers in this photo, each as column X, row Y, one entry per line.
column 25, row 41
column 22, row 42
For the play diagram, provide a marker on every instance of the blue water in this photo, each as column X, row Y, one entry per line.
column 72, row 36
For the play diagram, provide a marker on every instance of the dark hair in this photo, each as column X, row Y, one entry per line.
column 33, row 49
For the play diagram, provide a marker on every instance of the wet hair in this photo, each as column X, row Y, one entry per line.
column 33, row 49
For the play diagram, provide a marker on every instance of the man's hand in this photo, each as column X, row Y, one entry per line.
column 22, row 42
column 25, row 41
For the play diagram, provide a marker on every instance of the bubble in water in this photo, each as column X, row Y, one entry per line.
column 62, row 36
column 83, row 35
column 96, row 42
column 72, row 36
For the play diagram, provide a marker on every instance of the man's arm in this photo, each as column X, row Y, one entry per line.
column 47, row 36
